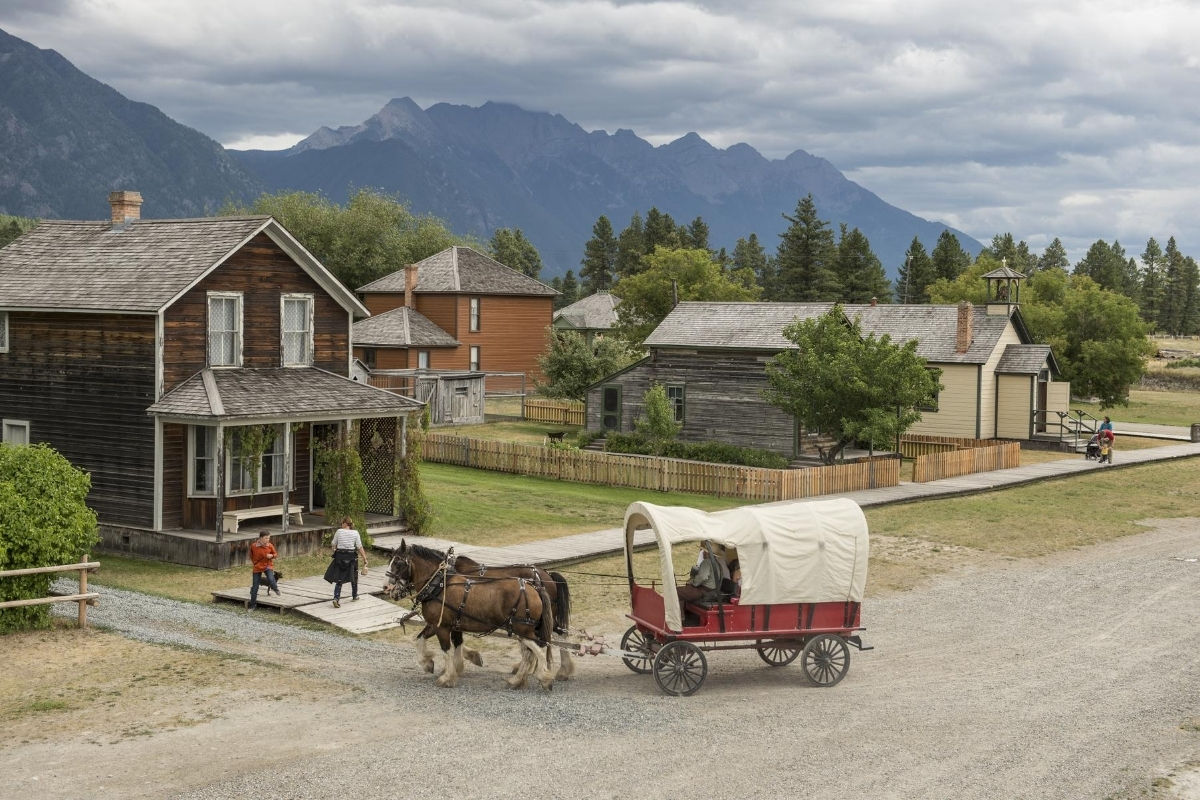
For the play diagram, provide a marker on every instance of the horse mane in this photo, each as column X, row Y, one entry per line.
column 426, row 553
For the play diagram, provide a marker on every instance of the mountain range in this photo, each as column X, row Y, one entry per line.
column 66, row 140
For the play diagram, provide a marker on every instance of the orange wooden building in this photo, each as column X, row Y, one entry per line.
column 459, row 310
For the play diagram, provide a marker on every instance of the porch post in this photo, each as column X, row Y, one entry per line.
column 219, row 499
column 287, row 474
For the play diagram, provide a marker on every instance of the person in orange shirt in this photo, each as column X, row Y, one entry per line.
column 262, row 556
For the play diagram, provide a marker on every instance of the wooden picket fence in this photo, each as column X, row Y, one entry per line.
column 556, row 413
column 993, row 456
column 661, row 474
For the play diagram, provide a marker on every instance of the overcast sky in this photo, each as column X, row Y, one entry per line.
column 1069, row 118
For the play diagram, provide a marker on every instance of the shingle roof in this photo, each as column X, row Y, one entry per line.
column 594, row 312
column 277, row 393
column 1023, row 359
column 759, row 326
column 464, row 271
column 1004, row 272
column 89, row 265
column 401, row 327
column 751, row 326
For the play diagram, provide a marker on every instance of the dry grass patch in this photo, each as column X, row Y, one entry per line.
column 1150, row 407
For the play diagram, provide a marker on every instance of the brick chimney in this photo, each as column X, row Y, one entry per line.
column 964, row 334
column 410, row 285
column 126, row 206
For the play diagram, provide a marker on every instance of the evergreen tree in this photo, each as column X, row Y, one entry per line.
column 1189, row 306
column 1108, row 266
column 512, row 249
column 661, row 231
column 749, row 264
column 916, row 275
column 806, row 257
column 859, row 270
column 570, row 289
column 631, row 246
column 1170, row 315
column 599, row 258
column 1013, row 254
column 1055, row 256
column 949, row 258
column 696, row 235
column 1152, row 283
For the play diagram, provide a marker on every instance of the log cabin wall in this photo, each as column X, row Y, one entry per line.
column 722, row 398
column 84, row 382
column 261, row 271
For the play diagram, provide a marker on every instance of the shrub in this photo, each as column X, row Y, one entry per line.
column 584, row 438
column 413, row 503
column 711, row 452
column 1184, row 363
column 44, row 522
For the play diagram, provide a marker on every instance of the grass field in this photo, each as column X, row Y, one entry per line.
column 520, row 432
column 1153, row 408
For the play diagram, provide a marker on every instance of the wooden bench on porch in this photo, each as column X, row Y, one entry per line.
column 230, row 519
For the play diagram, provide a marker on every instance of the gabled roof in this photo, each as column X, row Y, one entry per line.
column 234, row 395
column 743, row 326
column 595, row 312
column 1004, row 272
column 1025, row 359
column 462, row 270
column 401, row 327
column 935, row 327
column 140, row 267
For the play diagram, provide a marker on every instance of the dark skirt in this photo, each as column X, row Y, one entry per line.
column 343, row 568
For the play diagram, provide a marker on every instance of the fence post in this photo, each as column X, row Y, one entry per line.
column 83, row 587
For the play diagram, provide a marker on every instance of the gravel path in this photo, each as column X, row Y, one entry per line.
column 1065, row 677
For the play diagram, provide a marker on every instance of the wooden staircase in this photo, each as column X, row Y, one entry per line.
column 596, row 446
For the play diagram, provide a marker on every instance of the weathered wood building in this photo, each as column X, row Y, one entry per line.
column 593, row 316
column 142, row 349
column 711, row 357
column 462, row 311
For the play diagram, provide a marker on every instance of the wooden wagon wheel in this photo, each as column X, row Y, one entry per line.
column 780, row 654
column 826, row 660
column 679, row 668
column 634, row 641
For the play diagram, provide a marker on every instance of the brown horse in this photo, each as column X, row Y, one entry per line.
column 452, row 603
column 560, row 598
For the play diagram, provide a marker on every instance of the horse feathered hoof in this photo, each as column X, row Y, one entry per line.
column 446, row 683
column 514, row 683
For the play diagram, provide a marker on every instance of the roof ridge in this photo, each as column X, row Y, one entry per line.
column 407, row 331
column 212, row 392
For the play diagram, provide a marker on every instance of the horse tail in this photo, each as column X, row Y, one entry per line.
column 562, row 603
column 546, row 626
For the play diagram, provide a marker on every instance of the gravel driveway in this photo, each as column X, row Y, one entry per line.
column 1075, row 676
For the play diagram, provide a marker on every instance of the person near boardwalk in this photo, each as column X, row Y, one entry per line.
column 347, row 548
column 262, row 556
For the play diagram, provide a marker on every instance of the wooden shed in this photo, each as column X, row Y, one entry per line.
column 455, row 397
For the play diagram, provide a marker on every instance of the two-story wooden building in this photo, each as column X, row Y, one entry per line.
column 456, row 310
column 143, row 349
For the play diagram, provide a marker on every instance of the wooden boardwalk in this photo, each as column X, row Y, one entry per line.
column 313, row 597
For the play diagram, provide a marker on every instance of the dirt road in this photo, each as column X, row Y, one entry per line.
column 1067, row 677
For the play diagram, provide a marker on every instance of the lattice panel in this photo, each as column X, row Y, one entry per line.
column 377, row 449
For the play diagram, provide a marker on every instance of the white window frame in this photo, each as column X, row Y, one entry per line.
column 3, row 331
column 191, row 456
column 475, row 358
column 474, row 314
column 14, row 423
column 678, row 406
column 422, row 355
column 311, row 321
column 263, row 488
column 238, row 333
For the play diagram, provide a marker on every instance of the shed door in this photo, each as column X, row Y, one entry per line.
column 1042, row 399
column 610, row 408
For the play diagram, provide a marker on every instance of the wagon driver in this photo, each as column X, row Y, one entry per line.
column 707, row 575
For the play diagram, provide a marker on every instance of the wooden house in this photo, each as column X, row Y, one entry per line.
column 462, row 311
column 594, row 315
column 710, row 357
column 145, row 351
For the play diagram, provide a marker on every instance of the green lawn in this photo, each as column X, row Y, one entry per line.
column 520, row 432
column 1155, row 408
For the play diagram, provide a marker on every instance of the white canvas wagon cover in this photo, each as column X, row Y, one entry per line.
column 801, row 552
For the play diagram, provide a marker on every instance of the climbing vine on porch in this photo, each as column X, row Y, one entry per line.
column 338, row 467
column 410, row 495
column 253, row 443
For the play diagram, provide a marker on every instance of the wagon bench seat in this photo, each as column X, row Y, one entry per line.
column 230, row 519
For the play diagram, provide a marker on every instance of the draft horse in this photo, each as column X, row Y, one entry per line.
column 560, row 599
column 453, row 603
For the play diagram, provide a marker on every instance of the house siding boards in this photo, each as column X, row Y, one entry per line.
column 1014, row 393
column 958, row 405
column 988, row 386
column 83, row 381
column 722, row 398
column 262, row 272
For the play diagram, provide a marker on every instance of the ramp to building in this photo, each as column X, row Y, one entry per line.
column 313, row 597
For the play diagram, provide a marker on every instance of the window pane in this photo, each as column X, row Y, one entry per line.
column 203, row 467
column 3, row 330
column 222, row 330
column 422, row 359
column 474, row 313
column 16, row 434
column 295, row 331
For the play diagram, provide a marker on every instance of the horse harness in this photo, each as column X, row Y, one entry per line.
column 435, row 588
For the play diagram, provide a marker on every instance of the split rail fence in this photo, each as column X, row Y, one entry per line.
column 83, row 596
column 661, row 474
column 937, row 457
column 555, row 413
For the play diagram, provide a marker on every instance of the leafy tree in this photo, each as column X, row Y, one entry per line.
column 371, row 236
column 599, row 262
column 570, row 289
column 1152, row 283
column 916, row 275
column 858, row 269
column 570, row 364
column 661, row 231
column 646, row 297
column 852, row 387
column 512, row 249
column 658, row 423
column 44, row 521
column 969, row 285
column 631, row 246
column 949, row 258
column 806, row 258
column 1054, row 257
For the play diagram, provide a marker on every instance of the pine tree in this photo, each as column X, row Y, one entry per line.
column 859, row 270
column 1013, row 254
column 1106, row 265
column 556, row 284
column 1055, row 257
column 631, row 246
column 805, row 258
column 599, row 258
column 749, row 263
column 916, row 275
column 569, row 289
column 949, row 258
column 697, row 235
column 661, row 231
column 1189, row 307
column 1170, row 315
column 1152, row 286
column 512, row 249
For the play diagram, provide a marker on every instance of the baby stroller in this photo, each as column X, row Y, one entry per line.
column 1093, row 448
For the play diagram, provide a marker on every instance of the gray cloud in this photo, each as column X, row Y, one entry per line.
column 1070, row 119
